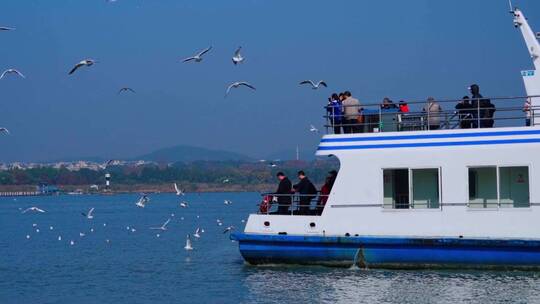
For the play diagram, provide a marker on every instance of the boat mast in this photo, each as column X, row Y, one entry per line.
column 531, row 78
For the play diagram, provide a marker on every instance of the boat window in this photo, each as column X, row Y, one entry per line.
column 396, row 188
column 425, row 188
column 483, row 187
column 514, row 187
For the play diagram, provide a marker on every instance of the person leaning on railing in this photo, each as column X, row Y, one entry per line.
column 307, row 192
column 283, row 193
column 483, row 109
column 325, row 191
column 433, row 110
column 465, row 113
column 351, row 110
column 527, row 110
column 335, row 112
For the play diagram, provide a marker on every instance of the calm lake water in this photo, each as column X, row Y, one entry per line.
column 139, row 267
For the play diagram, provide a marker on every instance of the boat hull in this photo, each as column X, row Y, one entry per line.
column 387, row 252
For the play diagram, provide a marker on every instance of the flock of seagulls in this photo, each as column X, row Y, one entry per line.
column 144, row 199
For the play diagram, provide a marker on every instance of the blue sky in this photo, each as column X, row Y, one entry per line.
column 401, row 49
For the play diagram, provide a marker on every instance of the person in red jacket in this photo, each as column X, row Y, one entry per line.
column 403, row 107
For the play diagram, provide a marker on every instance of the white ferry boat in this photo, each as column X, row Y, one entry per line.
column 407, row 196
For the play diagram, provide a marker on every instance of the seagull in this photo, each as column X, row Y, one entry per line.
column 313, row 129
column 198, row 57
column 272, row 164
column 4, row 130
column 35, row 209
column 37, row 230
column 5, row 28
column 228, row 229
column 72, row 243
column 59, row 238
column 162, row 227
column 314, row 85
column 188, row 243
column 237, row 58
column 142, row 201
column 34, row 225
column 227, row 202
column 88, row 215
column 225, row 181
column 126, row 89
column 197, row 233
column 219, row 223
column 237, row 84
column 178, row 190
column 82, row 234
column 11, row 71
column 51, row 227
column 28, row 236
column 183, row 204
column 85, row 62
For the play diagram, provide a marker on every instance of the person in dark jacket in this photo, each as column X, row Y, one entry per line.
column 465, row 113
column 307, row 192
column 483, row 109
column 283, row 193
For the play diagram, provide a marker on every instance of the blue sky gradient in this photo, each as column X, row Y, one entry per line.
column 401, row 49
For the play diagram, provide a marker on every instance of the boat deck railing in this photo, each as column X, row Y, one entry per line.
column 377, row 117
column 300, row 204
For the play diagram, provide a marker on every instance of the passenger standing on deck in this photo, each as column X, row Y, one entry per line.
column 483, row 108
column 433, row 110
column 403, row 107
column 464, row 109
column 527, row 110
column 307, row 192
column 283, row 193
column 335, row 114
column 325, row 191
column 351, row 110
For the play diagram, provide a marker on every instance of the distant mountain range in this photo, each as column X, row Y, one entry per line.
column 189, row 154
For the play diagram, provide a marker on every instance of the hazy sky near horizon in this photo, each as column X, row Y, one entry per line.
column 401, row 49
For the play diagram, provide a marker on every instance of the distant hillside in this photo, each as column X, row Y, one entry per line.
column 190, row 154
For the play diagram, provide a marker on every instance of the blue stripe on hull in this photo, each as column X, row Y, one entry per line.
column 375, row 252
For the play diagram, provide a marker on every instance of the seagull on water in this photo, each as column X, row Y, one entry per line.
column 178, row 190
column 162, row 227
column 225, row 181
column 81, row 234
column 237, row 58
column 34, row 209
column 219, row 223
column 188, row 243
column 228, row 229
column 126, row 89
column 6, row 28
column 272, row 164
column 72, row 242
column 238, row 84
column 142, row 201
column 197, row 233
column 314, row 85
column 313, row 129
column 88, row 215
column 198, row 57
column 4, row 130
column 85, row 62
column 227, row 202
column 183, row 204
column 12, row 71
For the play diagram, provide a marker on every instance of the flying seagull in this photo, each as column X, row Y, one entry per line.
column 228, row 229
column 126, row 89
column 183, row 204
column 4, row 130
column 313, row 129
column 237, row 84
column 162, row 227
column 227, row 202
column 225, row 181
column 178, row 190
column 85, row 62
column 12, row 71
column 197, row 233
column 142, row 201
column 35, row 209
column 6, row 28
column 188, row 243
column 88, row 215
column 237, row 58
column 198, row 57
column 314, row 85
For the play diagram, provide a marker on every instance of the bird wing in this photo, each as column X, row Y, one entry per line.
column 78, row 65
column 90, row 211
column 4, row 74
column 19, row 73
column 307, row 81
column 131, row 90
column 237, row 52
column 247, row 85
column 39, row 210
column 188, row 59
column 166, row 222
column 229, row 88
column 321, row 82
column 4, row 130
column 5, row 28
column 204, row 51
column 197, row 231
column 26, row 210
column 176, row 188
